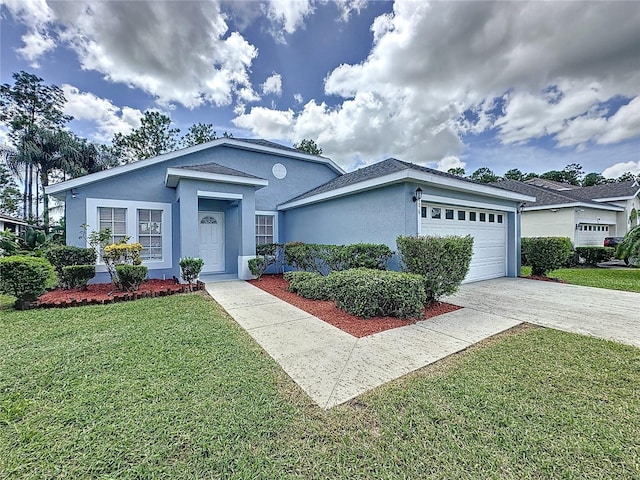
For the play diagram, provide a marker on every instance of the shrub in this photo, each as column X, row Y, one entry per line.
column 26, row 278
column 131, row 276
column 266, row 255
column 64, row 256
column 257, row 266
column 121, row 254
column 313, row 257
column 629, row 248
column 323, row 259
column 594, row 255
column 370, row 293
column 309, row 285
column 442, row 261
column 9, row 243
column 190, row 268
column 77, row 276
column 546, row 253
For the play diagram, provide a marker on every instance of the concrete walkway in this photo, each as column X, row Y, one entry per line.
column 332, row 366
column 597, row 312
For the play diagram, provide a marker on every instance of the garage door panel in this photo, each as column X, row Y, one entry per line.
column 489, row 238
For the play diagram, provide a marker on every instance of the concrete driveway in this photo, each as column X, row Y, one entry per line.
column 608, row 314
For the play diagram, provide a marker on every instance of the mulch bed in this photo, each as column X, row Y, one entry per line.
column 327, row 310
column 103, row 293
column 544, row 279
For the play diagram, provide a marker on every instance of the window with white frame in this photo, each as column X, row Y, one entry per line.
column 148, row 223
column 265, row 229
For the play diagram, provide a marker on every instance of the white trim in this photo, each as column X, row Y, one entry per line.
column 272, row 213
column 174, row 175
column 229, row 142
column 573, row 205
column 465, row 203
column 219, row 195
column 410, row 175
column 92, row 204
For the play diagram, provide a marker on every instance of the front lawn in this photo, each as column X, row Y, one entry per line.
column 613, row 279
column 172, row 388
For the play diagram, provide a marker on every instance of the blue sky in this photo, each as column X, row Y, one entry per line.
column 526, row 85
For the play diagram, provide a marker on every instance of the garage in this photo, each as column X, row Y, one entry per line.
column 487, row 227
column 589, row 234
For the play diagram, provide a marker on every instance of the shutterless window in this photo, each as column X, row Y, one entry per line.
column 492, row 218
column 483, row 217
column 423, row 212
column 461, row 215
column 499, row 218
column 472, row 216
column 436, row 213
column 115, row 219
column 264, row 229
column 150, row 233
column 448, row 214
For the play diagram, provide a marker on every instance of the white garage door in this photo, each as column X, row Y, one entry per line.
column 487, row 227
column 590, row 234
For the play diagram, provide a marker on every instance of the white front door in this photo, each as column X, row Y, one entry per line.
column 211, row 238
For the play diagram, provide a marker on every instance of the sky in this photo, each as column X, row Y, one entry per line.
column 528, row 85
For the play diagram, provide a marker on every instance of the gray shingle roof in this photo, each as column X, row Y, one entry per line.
column 552, row 184
column 218, row 170
column 608, row 190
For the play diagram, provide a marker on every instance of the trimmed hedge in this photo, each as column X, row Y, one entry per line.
column 190, row 268
column 77, row 276
column 443, row 262
column 323, row 259
column 26, row 278
column 371, row 293
column 593, row 255
column 131, row 276
column 61, row 256
column 309, row 285
column 546, row 253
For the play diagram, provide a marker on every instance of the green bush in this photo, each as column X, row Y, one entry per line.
column 9, row 243
column 26, row 278
column 546, row 253
column 321, row 258
column 309, row 285
column 629, row 248
column 267, row 255
column 443, row 262
column 190, row 268
column 257, row 266
column 65, row 256
column 77, row 276
column 593, row 255
column 371, row 293
column 131, row 276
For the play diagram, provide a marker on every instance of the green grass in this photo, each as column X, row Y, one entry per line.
column 613, row 279
column 173, row 388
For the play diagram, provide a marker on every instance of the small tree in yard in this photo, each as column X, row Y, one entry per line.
column 546, row 253
column 191, row 268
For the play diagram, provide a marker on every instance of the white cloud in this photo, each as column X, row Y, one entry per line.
column 449, row 162
column 526, row 69
column 298, row 97
column 107, row 118
column 268, row 123
column 273, row 85
column 618, row 169
column 287, row 16
column 194, row 62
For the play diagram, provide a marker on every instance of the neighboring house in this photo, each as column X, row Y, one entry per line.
column 584, row 214
column 218, row 200
column 12, row 224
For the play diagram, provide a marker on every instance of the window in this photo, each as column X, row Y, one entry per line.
column 461, row 215
column 115, row 219
column 264, row 229
column 492, row 218
column 483, row 217
column 150, row 233
column 423, row 212
column 436, row 212
column 499, row 218
column 448, row 214
column 472, row 216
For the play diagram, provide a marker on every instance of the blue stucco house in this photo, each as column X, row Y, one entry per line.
column 219, row 199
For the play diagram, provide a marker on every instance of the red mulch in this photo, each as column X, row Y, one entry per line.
column 101, row 293
column 327, row 310
column 545, row 279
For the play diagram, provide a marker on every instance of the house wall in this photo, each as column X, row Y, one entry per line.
column 545, row 223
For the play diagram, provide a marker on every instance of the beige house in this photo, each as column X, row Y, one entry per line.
column 584, row 214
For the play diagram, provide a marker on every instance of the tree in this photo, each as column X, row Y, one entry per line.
column 9, row 192
column 571, row 174
column 308, row 146
column 27, row 105
column 484, row 175
column 201, row 133
column 627, row 176
column 458, row 171
column 154, row 137
column 514, row 174
column 593, row 178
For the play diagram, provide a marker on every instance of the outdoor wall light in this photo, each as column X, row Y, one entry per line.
column 74, row 192
column 521, row 207
column 418, row 194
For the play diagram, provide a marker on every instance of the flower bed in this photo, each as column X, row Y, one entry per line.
column 328, row 312
column 103, row 293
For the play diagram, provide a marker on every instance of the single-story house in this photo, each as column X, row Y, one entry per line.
column 15, row 225
column 584, row 214
column 220, row 199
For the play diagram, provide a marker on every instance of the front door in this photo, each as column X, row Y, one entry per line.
column 211, row 235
